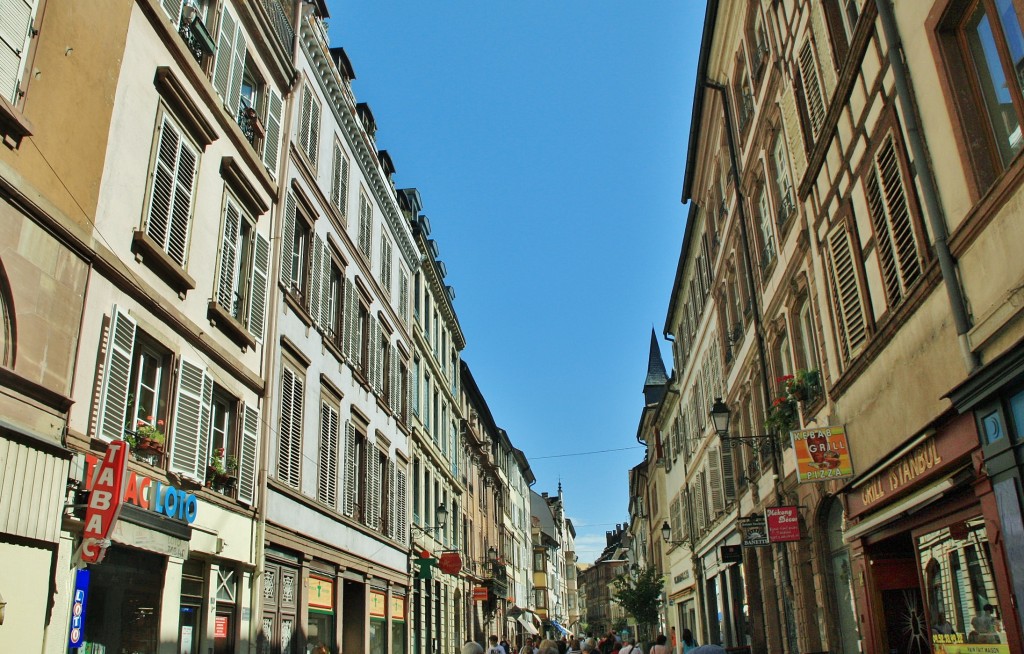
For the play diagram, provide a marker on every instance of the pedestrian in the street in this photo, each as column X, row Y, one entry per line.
column 547, row 646
column 494, row 648
column 689, row 642
column 660, row 646
column 472, row 647
column 627, row 646
column 505, row 646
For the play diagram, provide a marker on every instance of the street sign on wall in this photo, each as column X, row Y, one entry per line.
column 755, row 530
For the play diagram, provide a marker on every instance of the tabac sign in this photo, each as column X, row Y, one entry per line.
column 105, row 501
column 822, row 454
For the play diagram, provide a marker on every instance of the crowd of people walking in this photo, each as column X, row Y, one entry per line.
column 610, row 643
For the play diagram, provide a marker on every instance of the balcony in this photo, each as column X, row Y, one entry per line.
column 251, row 126
column 746, row 110
column 193, row 31
column 768, row 254
column 279, row 20
column 786, row 207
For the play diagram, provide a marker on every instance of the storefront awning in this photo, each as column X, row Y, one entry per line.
column 523, row 620
column 560, row 628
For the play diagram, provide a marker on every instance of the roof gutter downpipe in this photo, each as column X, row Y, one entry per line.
column 935, row 214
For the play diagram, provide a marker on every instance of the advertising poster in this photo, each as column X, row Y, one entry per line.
column 821, row 454
column 783, row 523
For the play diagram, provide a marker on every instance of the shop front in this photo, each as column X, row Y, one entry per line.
column 167, row 575
column 926, row 567
column 724, row 597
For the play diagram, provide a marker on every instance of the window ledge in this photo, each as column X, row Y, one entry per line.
column 13, row 124
column 294, row 300
column 230, row 325
column 147, row 251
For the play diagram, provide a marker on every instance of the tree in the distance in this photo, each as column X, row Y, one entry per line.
column 640, row 595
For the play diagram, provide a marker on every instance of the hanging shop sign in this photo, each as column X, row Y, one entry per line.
column 783, row 523
column 450, row 563
column 822, row 454
column 151, row 495
column 480, row 594
column 76, row 635
column 731, row 554
column 755, row 530
column 105, row 499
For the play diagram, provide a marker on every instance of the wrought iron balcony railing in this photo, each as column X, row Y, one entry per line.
column 193, row 31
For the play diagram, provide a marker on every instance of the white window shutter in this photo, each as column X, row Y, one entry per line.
column 371, row 510
column 173, row 9
column 402, row 509
column 15, row 33
column 190, row 440
column 393, row 390
column 392, row 499
column 325, row 287
column 846, row 292
column 327, row 470
column 288, row 240
column 222, row 65
column 227, row 284
column 351, row 469
column 351, row 315
column 403, row 296
column 258, row 287
column 170, row 203
column 117, row 375
column 304, row 110
column 314, row 129
column 248, row 454
column 237, row 72
column 272, row 139
column 812, row 88
column 289, row 451
column 316, row 281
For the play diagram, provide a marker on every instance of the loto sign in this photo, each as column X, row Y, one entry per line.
column 104, row 502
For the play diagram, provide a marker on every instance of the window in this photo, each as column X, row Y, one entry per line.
column 426, row 402
column 808, row 349
column 386, row 264
column 358, row 469
column 845, row 285
column 327, row 468
column 814, row 99
column 365, row 233
column 16, row 36
column 783, row 186
column 176, row 162
column 223, row 425
column 339, row 180
column 309, row 124
column 244, row 268
column 767, row 235
column 289, row 450
column 295, row 248
column 898, row 251
column 416, row 386
column 333, row 327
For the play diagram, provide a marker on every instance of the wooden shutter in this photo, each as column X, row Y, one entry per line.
column 351, row 469
column 728, row 474
column 238, row 54
column 846, row 292
column 385, row 264
column 247, row 455
column 394, row 392
column 288, row 240
column 289, row 451
column 715, row 477
column 173, row 9
column 272, row 139
column 894, row 230
column 339, row 179
column 227, row 285
column 327, row 469
column 812, row 88
column 326, row 322
column 222, row 65
column 316, row 280
column 170, row 203
column 401, row 507
column 403, row 296
column 314, row 129
column 258, row 287
column 117, row 375
column 673, row 516
column 190, row 440
column 15, row 34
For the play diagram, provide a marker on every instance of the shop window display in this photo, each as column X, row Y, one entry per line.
column 124, row 605
column 956, row 564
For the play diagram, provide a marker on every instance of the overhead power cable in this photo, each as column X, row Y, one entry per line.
column 559, row 456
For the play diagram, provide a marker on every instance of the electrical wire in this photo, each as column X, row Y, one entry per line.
column 559, row 456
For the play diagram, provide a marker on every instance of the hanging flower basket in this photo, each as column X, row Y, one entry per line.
column 802, row 388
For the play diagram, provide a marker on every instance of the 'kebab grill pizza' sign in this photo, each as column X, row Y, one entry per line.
column 822, row 454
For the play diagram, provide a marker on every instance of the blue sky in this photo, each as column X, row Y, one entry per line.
column 548, row 142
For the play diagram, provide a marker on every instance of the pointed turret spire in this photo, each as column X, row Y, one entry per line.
column 657, row 378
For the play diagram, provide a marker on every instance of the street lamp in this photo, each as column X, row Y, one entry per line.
column 720, row 416
column 440, row 520
column 666, row 535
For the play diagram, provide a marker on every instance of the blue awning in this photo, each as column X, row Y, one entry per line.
column 563, row 630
